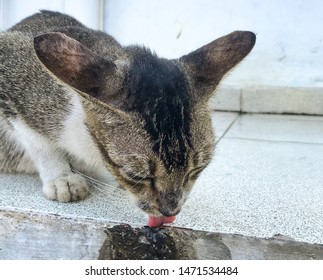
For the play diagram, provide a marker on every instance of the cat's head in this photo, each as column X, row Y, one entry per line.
column 148, row 115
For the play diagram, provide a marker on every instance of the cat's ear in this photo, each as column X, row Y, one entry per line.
column 76, row 64
column 208, row 64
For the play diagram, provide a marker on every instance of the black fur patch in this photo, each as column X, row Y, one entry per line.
column 158, row 91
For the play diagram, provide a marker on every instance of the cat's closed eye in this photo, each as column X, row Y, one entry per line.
column 135, row 177
column 195, row 172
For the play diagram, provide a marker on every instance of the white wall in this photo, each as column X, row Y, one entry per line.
column 12, row 11
column 288, row 52
column 289, row 48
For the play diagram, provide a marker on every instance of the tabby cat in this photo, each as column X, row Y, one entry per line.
column 72, row 98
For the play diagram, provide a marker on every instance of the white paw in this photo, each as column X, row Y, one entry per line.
column 66, row 189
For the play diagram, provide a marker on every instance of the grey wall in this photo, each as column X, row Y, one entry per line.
column 283, row 73
column 289, row 48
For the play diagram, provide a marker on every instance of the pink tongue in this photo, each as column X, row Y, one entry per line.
column 155, row 221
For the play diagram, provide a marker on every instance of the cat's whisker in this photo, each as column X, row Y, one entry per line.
column 111, row 193
column 93, row 180
column 114, row 192
column 111, row 199
column 84, row 175
column 111, row 196
column 107, row 188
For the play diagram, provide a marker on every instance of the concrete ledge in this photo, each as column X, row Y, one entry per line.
column 275, row 100
column 227, row 99
column 39, row 236
column 32, row 236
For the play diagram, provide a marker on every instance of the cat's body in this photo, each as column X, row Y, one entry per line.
column 97, row 106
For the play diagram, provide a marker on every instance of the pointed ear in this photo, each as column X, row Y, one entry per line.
column 75, row 64
column 207, row 65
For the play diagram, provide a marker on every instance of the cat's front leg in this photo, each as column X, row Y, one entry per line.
column 59, row 182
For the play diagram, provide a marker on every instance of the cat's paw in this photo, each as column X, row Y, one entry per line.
column 66, row 189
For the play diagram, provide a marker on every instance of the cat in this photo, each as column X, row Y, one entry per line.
column 72, row 98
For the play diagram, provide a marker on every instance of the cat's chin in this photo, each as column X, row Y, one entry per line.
column 156, row 221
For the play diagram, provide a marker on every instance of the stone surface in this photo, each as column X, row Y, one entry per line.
column 286, row 128
column 31, row 236
column 126, row 243
column 260, row 188
column 38, row 236
column 270, row 99
column 222, row 122
column 282, row 100
column 265, row 179
column 226, row 99
column 276, row 248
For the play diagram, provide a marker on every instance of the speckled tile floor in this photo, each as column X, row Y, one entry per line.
column 266, row 178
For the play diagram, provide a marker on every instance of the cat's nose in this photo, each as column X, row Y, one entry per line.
column 169, row 212
column 169, row 203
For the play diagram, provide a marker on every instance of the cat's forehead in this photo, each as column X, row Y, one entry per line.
column 159, row 92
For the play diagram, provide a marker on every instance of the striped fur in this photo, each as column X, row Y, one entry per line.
column 73, row 99
column 159, row 92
